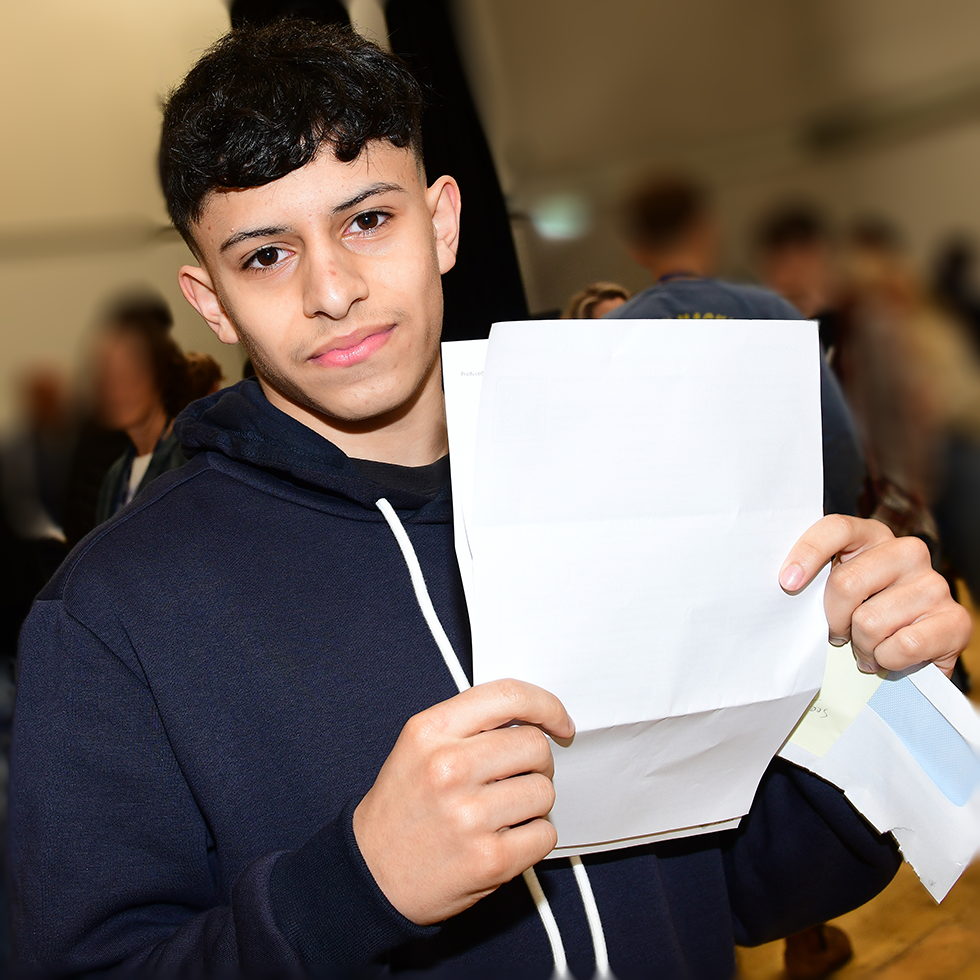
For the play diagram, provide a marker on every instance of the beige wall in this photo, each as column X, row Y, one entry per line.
column 80, row 122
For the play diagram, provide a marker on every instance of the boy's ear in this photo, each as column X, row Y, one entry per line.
column 443, row 201
column 199, row 291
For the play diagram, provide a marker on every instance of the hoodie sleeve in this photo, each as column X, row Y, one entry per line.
column 803, row 855
column 111, row 859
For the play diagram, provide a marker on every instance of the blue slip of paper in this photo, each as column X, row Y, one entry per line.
column 931, row 740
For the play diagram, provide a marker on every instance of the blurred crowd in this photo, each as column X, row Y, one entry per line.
column 82, row 447
column 903, row 343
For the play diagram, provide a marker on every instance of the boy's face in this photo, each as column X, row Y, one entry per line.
column 330, row 277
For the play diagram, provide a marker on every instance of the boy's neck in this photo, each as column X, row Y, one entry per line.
column 413, row 435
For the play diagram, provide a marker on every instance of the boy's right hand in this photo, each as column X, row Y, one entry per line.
column 459, row 805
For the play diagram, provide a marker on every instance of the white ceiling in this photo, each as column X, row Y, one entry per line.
column 568, row 86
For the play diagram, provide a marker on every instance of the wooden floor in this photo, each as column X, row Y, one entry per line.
column 903, row 934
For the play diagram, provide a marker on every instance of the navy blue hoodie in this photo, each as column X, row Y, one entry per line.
column 211, row 683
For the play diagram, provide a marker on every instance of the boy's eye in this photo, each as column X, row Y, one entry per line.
column 368, row 221
column 267, row 256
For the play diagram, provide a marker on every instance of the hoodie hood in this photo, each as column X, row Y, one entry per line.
column 241, row 424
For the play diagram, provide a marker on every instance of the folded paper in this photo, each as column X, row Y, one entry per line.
column 625, row 493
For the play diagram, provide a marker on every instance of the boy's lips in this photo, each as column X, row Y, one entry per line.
column 356, row 347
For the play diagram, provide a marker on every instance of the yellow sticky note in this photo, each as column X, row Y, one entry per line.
column 844, row 693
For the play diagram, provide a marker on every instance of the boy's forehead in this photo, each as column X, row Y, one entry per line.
column 325, row 181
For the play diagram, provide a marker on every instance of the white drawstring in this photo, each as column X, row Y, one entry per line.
column 550, row 924
column 547, row 917
column 422, row 595
column 602, row 971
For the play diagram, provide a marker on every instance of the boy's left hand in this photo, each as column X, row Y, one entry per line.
column 883, row 594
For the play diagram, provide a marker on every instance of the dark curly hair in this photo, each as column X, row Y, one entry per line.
column 261, row 102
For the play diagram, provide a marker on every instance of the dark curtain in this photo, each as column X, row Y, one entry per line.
column 485, row 284
column 260, row 12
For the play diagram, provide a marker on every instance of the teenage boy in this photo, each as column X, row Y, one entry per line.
column 238, row 747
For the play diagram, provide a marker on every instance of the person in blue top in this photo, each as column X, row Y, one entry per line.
column 671, row 231
column 238, row 748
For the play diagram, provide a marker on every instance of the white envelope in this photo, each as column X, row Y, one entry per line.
column 905, row 749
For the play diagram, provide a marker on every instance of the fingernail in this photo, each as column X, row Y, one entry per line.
column 866, row 668
column 791, row 577
column 837, row 641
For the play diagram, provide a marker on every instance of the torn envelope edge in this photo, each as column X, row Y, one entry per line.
column 886, row 784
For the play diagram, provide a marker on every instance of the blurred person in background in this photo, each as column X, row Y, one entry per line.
column 796, row 258
column 954, row 283
column 595, row 301
column 670, row 229
column 884, row 319
column 204, row 375
column 142, row 382
column 34, row 460
column 912, row 375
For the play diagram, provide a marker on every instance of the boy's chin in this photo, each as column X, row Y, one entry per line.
column 360, row 413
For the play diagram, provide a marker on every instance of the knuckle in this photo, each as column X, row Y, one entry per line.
column 443, row 769
column 468, row 819
column 535, row 742
column 512, row 693
column 936, row 590
column 420, row 728
column 910, row 645
column 882, row 531
column 491, row 860
column 510, row 689
column 914, row 550
column 840, row 525
column 544, row 790
column 849, row 581
column 412, row 728
column 868, row 620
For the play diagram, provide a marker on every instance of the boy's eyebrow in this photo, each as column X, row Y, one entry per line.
column 379, row 188
column 246, row 234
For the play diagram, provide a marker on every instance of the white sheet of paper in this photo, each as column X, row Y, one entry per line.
column 850, row 745
column 626, row 493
